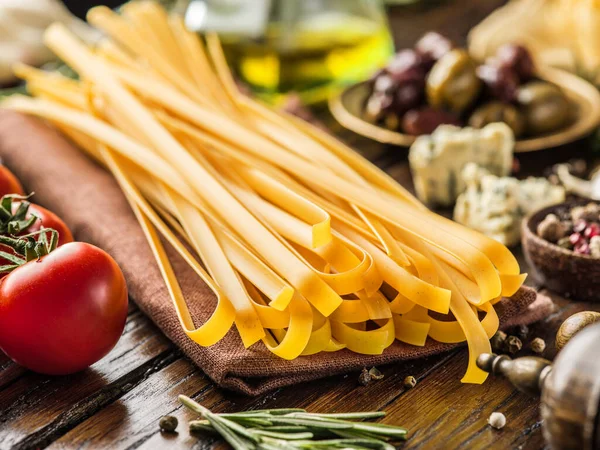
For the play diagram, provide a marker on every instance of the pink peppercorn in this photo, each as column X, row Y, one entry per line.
column 579, row 226
column 576, row 239
column 582, row 248
column 592, row 230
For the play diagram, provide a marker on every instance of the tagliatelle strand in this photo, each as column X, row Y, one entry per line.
column 219, row 267
column 214, row 329
column 286, row 218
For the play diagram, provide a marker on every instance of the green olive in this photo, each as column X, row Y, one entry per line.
column 545, row 106
column 498, row 112
column 452, row 82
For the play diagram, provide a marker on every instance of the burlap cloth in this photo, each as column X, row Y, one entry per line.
column 91, row 203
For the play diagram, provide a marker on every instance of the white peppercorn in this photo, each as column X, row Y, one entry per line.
column 497, row 420
column 410, row 382
column 538, row 345
column 551, row 228
column 589, row 212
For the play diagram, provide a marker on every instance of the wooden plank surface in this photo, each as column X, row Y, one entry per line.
column 118, row 402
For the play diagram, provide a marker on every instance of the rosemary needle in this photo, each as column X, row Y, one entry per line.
column 296, row 429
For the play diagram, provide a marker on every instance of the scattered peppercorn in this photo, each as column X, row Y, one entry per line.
column 365, row 377
column 579, row 226
column 375, row 373
column 497, row 420
column 551, row 228
column 592, row 230
column 513, row 344
column 497, row 341
column 575, row 239
column 589, row 212
column 410, row 382
column 538, row 345
column 577, row 214
column 168, row 424
column 573, row 229
column 582, row 248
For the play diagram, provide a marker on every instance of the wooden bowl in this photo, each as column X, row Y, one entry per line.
column 561, row 270
column 347, row 109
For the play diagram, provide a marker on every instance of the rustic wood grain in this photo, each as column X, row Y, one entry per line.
column 36, row 409
column 438, row 409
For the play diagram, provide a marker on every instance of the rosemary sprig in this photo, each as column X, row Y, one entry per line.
column 295, row 429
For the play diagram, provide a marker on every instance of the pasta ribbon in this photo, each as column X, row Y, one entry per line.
column 307, row 246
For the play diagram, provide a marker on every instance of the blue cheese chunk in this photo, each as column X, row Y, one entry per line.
column 437, row 160
column 495, row 206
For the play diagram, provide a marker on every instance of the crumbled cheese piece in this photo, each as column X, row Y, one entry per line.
column 437, row 160
column 496, row 206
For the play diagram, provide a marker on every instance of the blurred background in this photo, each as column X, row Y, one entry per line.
column 311, row 47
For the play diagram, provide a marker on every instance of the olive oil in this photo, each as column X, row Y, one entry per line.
column 312, row 59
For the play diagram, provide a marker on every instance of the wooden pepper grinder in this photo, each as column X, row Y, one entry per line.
column 570, row 389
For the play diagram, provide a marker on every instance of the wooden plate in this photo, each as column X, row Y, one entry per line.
column 585, row 98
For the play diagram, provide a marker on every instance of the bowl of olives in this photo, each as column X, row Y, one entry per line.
column 437, row 83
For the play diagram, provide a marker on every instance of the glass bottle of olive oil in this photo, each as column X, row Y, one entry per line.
column 311, row 47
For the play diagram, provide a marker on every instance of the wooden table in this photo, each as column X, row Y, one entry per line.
column 119, row 401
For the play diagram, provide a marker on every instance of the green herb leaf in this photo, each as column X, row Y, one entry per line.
column 288, row 429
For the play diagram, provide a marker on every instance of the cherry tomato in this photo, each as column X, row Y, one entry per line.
column 9, row 183
column 63, row 312
column 47, row 220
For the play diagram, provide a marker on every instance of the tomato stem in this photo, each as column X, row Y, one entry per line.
column 18, row 222
column 27, row 247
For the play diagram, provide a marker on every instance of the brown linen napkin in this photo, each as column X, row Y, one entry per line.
column 91, row 203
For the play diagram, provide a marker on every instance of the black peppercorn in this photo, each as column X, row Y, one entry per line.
column 513, row 345
column 365, row 377
column 497, row 341
column 168, row 424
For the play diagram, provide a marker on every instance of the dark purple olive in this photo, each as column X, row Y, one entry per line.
column 408, row 96
column 501, row 82
column 518, row 59
column 426, row 120
column 432, row 46
column 406, row 67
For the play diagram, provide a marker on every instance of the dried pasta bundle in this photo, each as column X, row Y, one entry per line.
column 307, row 246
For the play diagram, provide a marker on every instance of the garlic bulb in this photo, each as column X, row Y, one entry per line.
column 21, row 26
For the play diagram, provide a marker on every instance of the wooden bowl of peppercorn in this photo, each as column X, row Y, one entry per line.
column 561, row 244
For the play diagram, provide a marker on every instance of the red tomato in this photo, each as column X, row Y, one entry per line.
column 9, row 183
column 47, row 220
column 64, row 312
